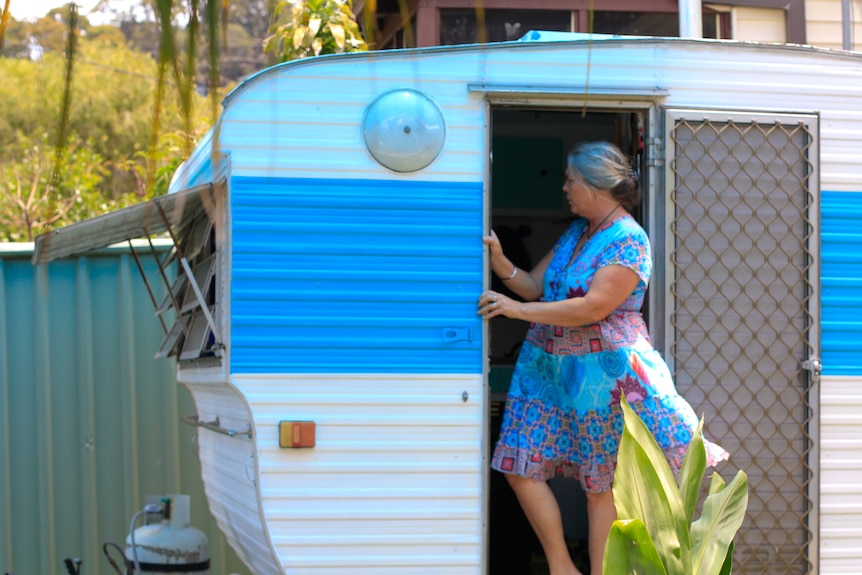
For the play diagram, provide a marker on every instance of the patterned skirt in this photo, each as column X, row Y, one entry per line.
column 563, row 414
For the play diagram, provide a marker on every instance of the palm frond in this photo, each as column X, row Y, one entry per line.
column 4, row 20
column 63, row 128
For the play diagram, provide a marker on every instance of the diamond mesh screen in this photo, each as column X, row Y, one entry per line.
column 741, row 319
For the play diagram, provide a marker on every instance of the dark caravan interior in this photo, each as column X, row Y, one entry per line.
column 529, row 213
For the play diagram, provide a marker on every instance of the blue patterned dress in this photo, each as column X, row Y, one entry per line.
column 562, row 413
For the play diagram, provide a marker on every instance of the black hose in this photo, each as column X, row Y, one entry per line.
column 111, row 559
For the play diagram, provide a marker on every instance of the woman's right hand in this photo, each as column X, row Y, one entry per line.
column 493, row 242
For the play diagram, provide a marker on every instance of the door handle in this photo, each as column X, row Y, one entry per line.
column 454, row 334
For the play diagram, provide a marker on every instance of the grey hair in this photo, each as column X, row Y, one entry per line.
column 603, row 166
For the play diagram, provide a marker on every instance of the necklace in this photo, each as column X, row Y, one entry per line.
column 589, row 233
column 585, row 237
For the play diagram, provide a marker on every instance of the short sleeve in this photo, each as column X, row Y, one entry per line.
column 629, row 248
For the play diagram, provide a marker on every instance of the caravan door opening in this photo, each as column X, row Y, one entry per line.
column 529, row 212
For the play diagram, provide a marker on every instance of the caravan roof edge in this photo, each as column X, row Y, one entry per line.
column 558, row 41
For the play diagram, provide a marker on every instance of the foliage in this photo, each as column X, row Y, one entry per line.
column 241, row 25
column 97, row 117
column 655, row 533
column 25, row 210
column 110, row 124
column 313, row 27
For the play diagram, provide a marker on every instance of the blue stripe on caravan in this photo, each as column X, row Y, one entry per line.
column 355, row 276
column 841, row 282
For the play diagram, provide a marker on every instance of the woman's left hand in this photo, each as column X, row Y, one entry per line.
column 492, row 304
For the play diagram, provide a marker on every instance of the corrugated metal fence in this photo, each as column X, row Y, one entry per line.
column 89, row 421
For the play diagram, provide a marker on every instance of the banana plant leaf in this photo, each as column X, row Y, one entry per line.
column 716, row 484
column 721, row 517
column 631, row 551
column 691, row 473
column 645, row 489
column 727, row 568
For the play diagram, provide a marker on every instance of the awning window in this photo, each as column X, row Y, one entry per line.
column 191, row 218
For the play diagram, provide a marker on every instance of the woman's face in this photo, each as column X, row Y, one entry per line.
column 576, row 191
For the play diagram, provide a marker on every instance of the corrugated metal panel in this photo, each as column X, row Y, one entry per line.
column 840, row 468
column 90, row 421
column 841, row 283
column 412, row 450
column 355, row 276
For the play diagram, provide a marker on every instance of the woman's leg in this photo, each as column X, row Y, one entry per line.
column 543, row 512
column 602, row 513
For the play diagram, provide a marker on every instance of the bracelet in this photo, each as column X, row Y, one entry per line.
column 514, row 273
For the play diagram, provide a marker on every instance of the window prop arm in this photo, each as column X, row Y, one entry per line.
column 146, row 281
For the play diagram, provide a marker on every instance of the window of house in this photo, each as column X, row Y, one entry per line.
column 648, row 23
column 463, row 27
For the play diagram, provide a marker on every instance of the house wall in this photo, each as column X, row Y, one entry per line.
column 758, row 24
column 824, row 24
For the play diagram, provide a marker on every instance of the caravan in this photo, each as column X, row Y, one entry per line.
column 327, row 234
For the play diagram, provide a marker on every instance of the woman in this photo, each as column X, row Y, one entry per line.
column 587, row 345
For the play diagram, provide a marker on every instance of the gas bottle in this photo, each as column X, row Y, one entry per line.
column 170, row 546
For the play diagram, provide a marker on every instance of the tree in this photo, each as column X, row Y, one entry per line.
column 4, row 19
column 313, row 27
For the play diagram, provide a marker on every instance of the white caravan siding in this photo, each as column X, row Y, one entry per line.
column 841, row 467
column 228, row 468
column 394, row 484
column 303, row 121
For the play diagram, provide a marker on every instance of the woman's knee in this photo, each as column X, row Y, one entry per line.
column 600, row 498
column 517, row 480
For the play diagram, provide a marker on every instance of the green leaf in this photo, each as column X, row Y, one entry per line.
column 298, row 35
column 727, row 568
column 722, row 516
column 716, row 484
column 691, row 473
column 314, row 26
column 631, row 551
column 645, row 489
column 338, row 35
